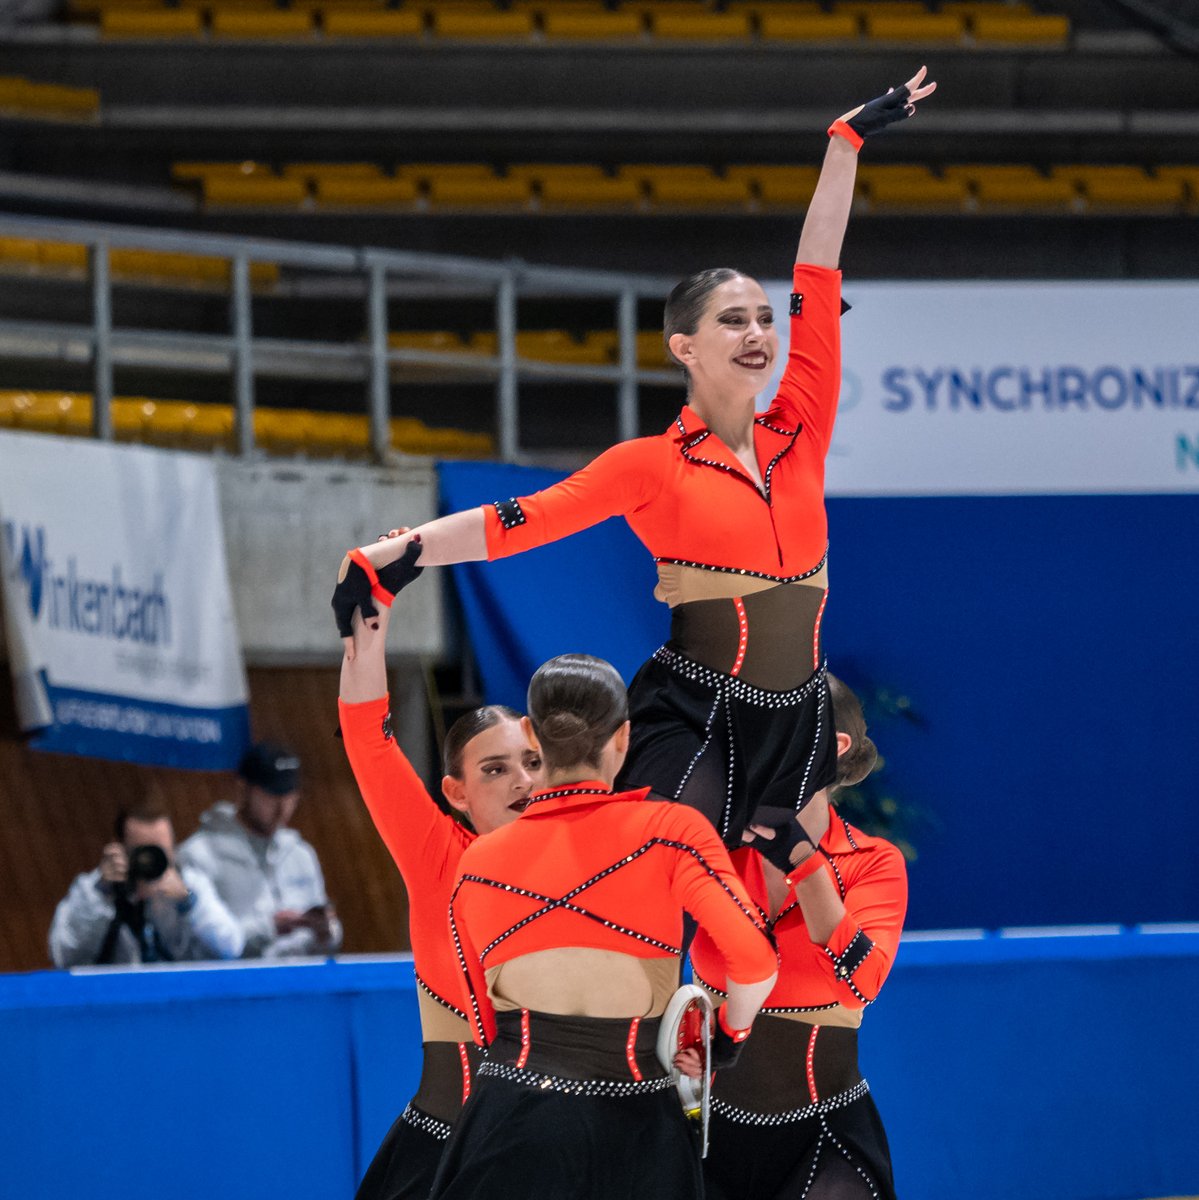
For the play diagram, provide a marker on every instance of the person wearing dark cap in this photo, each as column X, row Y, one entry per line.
column 265, row 873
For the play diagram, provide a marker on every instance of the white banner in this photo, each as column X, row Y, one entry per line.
column 118, row 611
column 992, row 388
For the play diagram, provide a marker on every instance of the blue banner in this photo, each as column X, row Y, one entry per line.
column 590, row 594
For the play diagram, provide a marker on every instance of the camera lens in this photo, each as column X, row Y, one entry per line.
column 147, row 863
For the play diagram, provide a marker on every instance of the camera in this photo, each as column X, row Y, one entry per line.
column 146, row 864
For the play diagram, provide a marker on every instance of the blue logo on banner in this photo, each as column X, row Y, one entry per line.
column 108, row 608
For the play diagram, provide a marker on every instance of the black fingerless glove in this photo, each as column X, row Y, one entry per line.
column 726, row 1042
column 363, row 585
column 874, row 117
column 777, row 850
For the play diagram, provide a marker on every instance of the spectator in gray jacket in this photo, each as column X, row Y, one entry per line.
column 265, row 873
column 139, row 905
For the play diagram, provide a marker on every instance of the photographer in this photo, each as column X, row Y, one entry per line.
column 138, row 906
column 264, row 872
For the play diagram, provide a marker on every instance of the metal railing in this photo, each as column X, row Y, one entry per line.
column 375, row 275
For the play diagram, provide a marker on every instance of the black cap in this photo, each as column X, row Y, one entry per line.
column 274, row 768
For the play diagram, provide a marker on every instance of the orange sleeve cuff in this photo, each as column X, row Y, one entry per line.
column 806, row 869
column 841, row 129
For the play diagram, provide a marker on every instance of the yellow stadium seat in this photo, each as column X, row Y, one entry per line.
column 480, row 191
column 20, row 251
column 760, row 8
column 785, row 187
column 651, row 351
column 24, row 95
column 260, row 23
column 895, row 8
column 1021, row 28
column 689, row 186
column 331, row 170
column 1015, row 186
column 922, row 27
column 699, row 25
column 187, row 172
column 912, row 186
column 481, row 23
column 156, row 22
column 210, row 425
column 94, row 8
column 582, row 192
column 62, row 255
column 591, row 26
column 425, row 171
column 372, row 22
column 1123, row 186
column 254, row 190
column 1188, row 175
column 973, row 8
column 364, row 192
column 484, row 342
column 538, row 172
column 132, row 417
column 555, row 345
column 807, row 27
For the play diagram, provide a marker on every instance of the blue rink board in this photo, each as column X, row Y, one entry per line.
column 1006, row 1068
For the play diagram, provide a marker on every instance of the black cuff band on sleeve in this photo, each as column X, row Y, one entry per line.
column 510, row 513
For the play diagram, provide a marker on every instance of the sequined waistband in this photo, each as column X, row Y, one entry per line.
column 586, row 1049
column 743, row 1116
column 574, row 1087
column 744, row 692
column 426, row 1124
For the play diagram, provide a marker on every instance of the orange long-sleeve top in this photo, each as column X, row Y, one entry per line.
column 426, row 844
column 850, row 968
column 583, row 866
column 684, row 493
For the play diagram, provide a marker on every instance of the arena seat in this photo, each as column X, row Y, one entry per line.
column 434, row 340
column 698, row 25
column 903, row 186
column 1020, row 28
column 783, row 187
column 260, row 23
column 1015, row 186
column 63, row 256
column 1123, row 186
column 803, row 26
column 597, row 23
column 651, row 351
column 482, row 22
column 484, row 191
column 371, row 22
column 151, row 22
column 924, row 27
column 688, row 186
column 313, row 171
column 363, row 191
column 22, row 95
column 197, row 172
column 252, row 191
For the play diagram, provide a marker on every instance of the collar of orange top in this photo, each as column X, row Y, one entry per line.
column 575, row 795
column 688, row 425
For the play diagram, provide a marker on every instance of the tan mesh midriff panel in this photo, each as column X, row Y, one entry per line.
column 680, row 585
column 579, row 981
column 839, row 1015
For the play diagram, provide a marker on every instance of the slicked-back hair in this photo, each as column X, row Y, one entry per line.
column 576, row 704
column 468, row 727
column 858, row 761
column 686, row 303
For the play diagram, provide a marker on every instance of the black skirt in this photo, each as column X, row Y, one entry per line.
column 406, row 1161
column 794, row 1120
column 542, row 1132
column 725, row 747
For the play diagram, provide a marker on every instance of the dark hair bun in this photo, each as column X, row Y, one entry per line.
column 857, row 762
column 562, row 726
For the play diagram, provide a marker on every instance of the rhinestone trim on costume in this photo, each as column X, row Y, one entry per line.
column 683, row 562
column 424, row 987
column 568, row 791
column 767, row 1010
column 509, row 512
column 575, row 1087
column 737, row 688
column 552, row 903
column 742, row 1116
column 426, row 1124
column 850, row 959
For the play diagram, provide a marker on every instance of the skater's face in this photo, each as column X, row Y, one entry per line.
column 735, row 343
column 499, row 770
